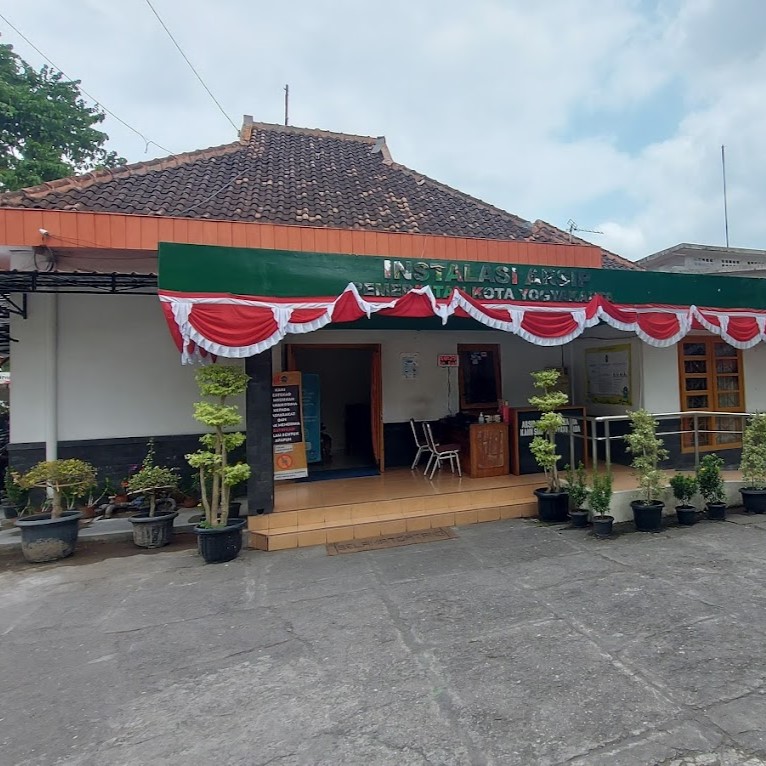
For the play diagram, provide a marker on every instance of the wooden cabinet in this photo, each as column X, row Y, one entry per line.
column 487, row 450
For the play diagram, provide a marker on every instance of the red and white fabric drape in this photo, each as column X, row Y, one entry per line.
column 240, row 326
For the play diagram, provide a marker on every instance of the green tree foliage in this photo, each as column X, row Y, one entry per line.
column 710, row 480
column 543, row 447
column 601, row 493
column 648, row 452
column 151, row 479
column 47, row 130
column 61, row 478
column 753, row 463
column 216, row 474
column 684, row 487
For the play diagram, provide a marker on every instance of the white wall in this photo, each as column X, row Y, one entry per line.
column 119, row 372
column 435, row 393
column 754, row 363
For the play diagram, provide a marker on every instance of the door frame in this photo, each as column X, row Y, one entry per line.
column 376, row 403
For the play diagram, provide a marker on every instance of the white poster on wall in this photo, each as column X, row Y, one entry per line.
column 608, row 372
column 409, row 365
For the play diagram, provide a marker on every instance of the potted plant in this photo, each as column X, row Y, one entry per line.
column 16, row 498
column 53, row 535
column 553, row 500
column 753, row 464
column 647, row 451
column 684, row 489
column 600, row 502
column 219, row 537
column 152, row 528
column 577, row 488
column 711, row 486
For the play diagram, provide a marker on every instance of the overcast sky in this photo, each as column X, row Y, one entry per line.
column 607, row 112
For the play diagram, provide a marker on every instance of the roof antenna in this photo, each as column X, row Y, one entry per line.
column 572, row 227
column 287, row 102
column 725, row 204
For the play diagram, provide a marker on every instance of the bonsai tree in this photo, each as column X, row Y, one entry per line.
column 709, row 478
column 60, row 478
column 601, row 493
column 218, row 382
column 577, row 486
column 753, row 463
column 151, row 479
column 648, row 452
column 543, row 446
column 684, row 487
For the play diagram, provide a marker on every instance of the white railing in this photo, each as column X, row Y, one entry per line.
column 589, row 431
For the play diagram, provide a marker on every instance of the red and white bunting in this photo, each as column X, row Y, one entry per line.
column 241, row 326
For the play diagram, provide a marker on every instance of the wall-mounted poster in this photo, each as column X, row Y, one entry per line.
column 409, row 362
column 609, row 374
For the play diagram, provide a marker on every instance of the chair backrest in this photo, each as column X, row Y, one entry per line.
column 415, row 434
column 430, row 443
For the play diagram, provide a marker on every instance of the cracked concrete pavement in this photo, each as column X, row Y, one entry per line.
column 512, row 644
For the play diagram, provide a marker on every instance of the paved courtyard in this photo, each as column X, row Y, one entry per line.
column 512, row 644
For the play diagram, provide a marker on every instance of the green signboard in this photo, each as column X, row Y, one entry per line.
column 284, row 273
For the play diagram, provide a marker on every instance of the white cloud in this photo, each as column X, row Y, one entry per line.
column 482, row 96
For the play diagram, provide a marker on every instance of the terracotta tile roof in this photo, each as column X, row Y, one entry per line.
column 288, row 175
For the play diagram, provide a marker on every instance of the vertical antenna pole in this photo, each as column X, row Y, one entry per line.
column 725, row 203
column 287, row 101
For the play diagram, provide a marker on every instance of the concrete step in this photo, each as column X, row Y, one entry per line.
column 305, row 529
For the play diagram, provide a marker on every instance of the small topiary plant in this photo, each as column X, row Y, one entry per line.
column 753, row 462
column 543, row 446
column 577, row 486
column 151, row 479
column 61, row 478
column 709, row 478
column 216, row 475
column 601, row 493
column 648, row 452
column 684, row 488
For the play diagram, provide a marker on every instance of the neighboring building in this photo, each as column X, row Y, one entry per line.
column 296, row 249
column 707, row 259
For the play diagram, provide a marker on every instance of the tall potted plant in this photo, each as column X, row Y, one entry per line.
column 16, row 498
column 753, row 464
column 711, row 486
column 553, row 500
column 684, row 489
column 219, row 537
column 600, row 503
column 153, row 528
column 53, row 535
column 577, row 488
column 647, row 450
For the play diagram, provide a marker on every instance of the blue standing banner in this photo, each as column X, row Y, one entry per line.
column 312, row 418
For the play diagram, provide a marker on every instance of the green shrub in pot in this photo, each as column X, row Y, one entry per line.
column 753, row 464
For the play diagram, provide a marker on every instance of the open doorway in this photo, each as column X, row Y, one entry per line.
column 347, row 381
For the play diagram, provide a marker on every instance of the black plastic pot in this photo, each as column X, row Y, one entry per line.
column 602, row 526
column 47, row 539
column 552, row 506
column 234, row 507
column 687, row 515
column 152, row 531
column 754, row 500
column 647, row 516
column 219, row 544
column 579, row 519
column 716, row 511
column 10, row 511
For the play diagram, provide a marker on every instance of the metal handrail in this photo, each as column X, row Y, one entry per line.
column 695, row 430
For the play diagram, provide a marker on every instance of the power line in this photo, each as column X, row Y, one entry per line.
column 191, row 66
column 98, row 103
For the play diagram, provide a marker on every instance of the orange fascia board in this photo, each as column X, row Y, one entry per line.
column 20, row 227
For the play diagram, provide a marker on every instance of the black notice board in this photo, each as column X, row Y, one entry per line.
column 523, row 431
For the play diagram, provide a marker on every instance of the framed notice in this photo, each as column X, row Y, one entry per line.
column 608, row 370
column 287, row 426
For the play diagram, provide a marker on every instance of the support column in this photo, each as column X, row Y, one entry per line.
column 50, row 351
column 260, row 448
